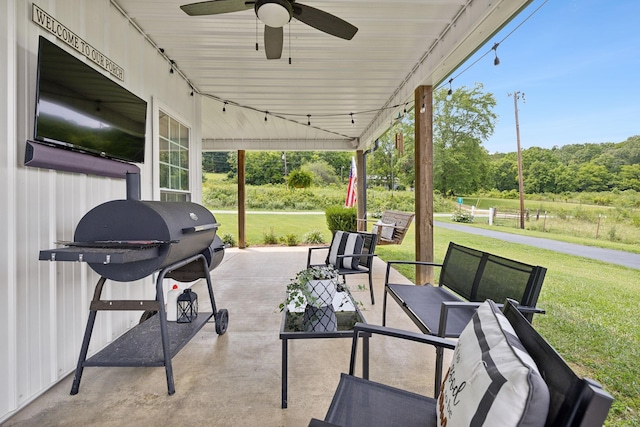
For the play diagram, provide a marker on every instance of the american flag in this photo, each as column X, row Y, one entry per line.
column 351, row 188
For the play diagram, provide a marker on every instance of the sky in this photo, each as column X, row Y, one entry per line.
column 577, row 62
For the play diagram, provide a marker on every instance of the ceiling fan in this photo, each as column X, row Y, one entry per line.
column 275, row 14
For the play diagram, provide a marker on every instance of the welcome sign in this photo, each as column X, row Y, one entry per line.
column 50, row 24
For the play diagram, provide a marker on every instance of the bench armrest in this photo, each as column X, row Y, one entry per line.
column 444, row 312
column 391, row 263
column 314, row 248
column 452, row 305
column 362, row 329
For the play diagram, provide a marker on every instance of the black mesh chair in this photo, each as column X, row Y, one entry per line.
column 573, row 401
column 355, row 257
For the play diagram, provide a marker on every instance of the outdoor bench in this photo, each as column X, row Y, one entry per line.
column 467, row 278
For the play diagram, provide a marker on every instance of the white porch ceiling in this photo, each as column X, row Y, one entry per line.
column 400, row 45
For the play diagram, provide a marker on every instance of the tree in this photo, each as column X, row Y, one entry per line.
column 504, row 172
column 629, row 178
column 299, row 179
column 461, row 123
column 215, row 161
column 592, row 177
column 381, row 163
column 538, row 165
column 261, row 167
column 321, row 171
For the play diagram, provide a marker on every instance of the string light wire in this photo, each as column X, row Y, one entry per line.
column 289, row 116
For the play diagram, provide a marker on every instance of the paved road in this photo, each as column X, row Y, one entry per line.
column 626, row 259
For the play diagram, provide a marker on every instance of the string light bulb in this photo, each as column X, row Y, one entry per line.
column 308, row 119
column 224, row 107
column 265, row 115
column 496, row 60
column 423, row 108
column 171, row 69
column 353, row 122
column 450, row 92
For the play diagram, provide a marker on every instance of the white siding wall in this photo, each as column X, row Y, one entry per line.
column 44, row 305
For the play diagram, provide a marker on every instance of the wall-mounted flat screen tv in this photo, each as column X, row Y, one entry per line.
column 79, row 108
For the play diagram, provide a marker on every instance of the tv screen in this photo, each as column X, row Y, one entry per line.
column 80, row 108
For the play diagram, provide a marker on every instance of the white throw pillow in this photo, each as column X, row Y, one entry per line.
column 387, row 229
column 492, row 379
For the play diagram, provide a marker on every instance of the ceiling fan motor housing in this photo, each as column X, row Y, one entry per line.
column 274, row 13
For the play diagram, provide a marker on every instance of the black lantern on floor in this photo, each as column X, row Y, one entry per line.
column 187, row 306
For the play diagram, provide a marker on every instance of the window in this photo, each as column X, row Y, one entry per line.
column 174, row 160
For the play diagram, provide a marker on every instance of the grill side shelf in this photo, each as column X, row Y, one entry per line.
column 99, row 255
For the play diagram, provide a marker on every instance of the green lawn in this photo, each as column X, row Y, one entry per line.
column 591, row 306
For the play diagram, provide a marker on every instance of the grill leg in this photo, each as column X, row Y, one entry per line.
column 164, row 333
column 87, row 338
column 207, row 275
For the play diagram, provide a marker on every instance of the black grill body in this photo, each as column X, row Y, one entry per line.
column 126, row 240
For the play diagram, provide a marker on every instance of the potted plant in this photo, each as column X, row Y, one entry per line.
column 315, row 286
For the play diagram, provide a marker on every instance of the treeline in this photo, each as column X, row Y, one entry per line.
column 571, row 168
column 273, row 167
column 463, row 120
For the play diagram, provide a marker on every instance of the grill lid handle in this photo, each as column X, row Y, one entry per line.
column 199, row 228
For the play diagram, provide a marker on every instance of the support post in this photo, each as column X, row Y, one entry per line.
column 361, row 189
column 423, row 97
column 242, row 236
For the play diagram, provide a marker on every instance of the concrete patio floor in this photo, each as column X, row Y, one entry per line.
column 235, row 379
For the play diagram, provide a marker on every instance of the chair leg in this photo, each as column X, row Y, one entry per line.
column 371, row 288
column 384, row 307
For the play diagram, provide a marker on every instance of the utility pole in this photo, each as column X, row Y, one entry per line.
column 517, row 95
column 284, row 158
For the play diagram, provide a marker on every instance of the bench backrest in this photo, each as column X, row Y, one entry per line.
column 574, row 401
column 401, row 220
column 478, row 276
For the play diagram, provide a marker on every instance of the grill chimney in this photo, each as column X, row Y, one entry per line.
column 133, row 186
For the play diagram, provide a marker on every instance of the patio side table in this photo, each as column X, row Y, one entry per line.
column 333, row 321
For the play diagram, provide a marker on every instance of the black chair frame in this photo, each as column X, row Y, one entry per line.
column 365, row 264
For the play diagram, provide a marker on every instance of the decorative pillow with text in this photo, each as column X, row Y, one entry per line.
column 492, row 380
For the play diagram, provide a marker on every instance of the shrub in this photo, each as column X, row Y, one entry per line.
column 314, row 237
column 341, row 218
column 299, row 179
column 462, row 216
column 228, row 239
column 290, row 240
column 269, row 238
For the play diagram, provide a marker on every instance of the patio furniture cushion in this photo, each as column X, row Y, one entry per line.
column 492, row 377
column 345, row 243
column 387, row 229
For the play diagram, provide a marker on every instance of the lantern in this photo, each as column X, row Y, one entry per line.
column 187, row 306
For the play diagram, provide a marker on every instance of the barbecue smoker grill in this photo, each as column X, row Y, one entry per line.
column 127, row 240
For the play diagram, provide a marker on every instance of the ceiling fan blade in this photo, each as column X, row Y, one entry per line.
column 324, row 21
column 214, row 7
column 273, row 38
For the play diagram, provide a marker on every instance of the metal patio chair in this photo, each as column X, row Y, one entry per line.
column 350, row 253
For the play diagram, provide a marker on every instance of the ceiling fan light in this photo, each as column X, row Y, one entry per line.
column 274, row 14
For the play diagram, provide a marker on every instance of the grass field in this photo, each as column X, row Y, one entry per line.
column 591, row 306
